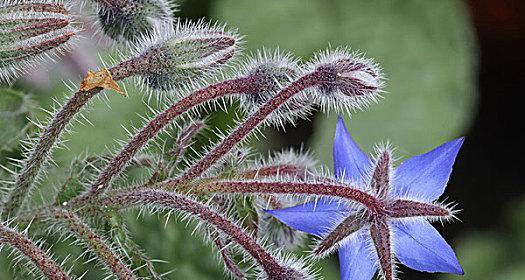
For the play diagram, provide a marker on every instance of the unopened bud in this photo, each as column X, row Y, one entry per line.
column 29, row 31
column 349, row 81
column 269, row 73
column 229, row 165
column 289, row 164
column 291, row 269
column 273, row 230
column 130, row 20
column 189, row 54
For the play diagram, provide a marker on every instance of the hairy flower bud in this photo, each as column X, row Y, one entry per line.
column 293, row 269
column 176, row 58
column 269, row 73
column 350, row 81
column 229, row 165
column 130, row 20
column 289, row 164
column 273, row 230
column 31, row 31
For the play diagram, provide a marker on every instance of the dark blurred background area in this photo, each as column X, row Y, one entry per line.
column 488, row 182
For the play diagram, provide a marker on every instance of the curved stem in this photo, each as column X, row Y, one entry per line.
column 39, row 153
column 294, row 170
column 229, row 263
column 203, row 212
column 93, row 241
column 48, row 267
column 306, row 81
column 150, row 130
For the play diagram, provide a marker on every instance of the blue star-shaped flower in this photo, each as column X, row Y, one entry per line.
column 395, row 225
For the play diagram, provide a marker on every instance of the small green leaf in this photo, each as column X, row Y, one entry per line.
column 14, row 109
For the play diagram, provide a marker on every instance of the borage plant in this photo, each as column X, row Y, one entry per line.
column 372, row 212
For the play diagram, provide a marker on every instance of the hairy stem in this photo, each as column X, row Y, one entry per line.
column 32, row 166
column 184, row 139
column 222, row 243
column 42, row 260
column 229, row 263
column 93, row 241
column 256, row 187
column 306, row 81
column 203, row 212
column 276, row 170
column 148, row 132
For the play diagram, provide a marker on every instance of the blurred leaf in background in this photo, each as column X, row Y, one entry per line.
column 14, row 110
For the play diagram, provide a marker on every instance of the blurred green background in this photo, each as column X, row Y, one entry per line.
column 437, row 57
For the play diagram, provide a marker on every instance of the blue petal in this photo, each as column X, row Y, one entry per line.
column 350, row 161
column 314, row 218
column 419, row 246
column 356, row 260
column 425, row 176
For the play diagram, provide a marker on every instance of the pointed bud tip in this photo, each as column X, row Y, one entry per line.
column 349, row 81
column 184, row 56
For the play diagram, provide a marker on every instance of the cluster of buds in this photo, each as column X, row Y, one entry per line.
column 31, row 31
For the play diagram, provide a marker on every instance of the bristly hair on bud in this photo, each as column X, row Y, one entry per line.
column 287, row 164
column 350, row 81
column 295, row 268
column 130, row 20
column 231, row 164
column 270, row 72
column 182, row 57
column 30, row 32
column 271, row 229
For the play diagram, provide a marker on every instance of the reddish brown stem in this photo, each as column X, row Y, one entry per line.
column 255, row 187
column 184, row 139
column 33, row 164
column 227, row 257
column 275, row 170
column 148, row 132
column 203, row 212
column 48, row 267
column 306, row 81
column 93, row 241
